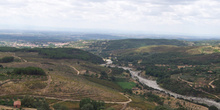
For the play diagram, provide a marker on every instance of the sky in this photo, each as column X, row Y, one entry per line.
column 187, row 17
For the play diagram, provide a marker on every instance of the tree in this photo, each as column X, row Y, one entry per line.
column 59, row 107
column 45, row 106
column 7, row 59
column 29, row 71
column 87, row 107
column 89, row 104
column 213, row 107
column 104, row 75
column 27, row 101
column 161, row 108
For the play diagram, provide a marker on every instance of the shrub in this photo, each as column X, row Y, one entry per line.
column 29, row 71
column 7, row 59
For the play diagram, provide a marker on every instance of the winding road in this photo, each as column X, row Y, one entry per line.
column 75, row 69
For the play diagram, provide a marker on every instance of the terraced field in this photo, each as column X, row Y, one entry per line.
column 62, row 80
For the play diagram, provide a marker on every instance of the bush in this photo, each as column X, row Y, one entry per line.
column 7, row 59
column 154, row 98
column 213, row 108
column 89, row 104
column 161, row 108
column 59, row 107
column 30, row 102
column 29, row 71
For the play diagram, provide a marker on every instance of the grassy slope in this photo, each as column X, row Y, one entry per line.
column 58, row 53
column 135, row 43
column 193, row 50
column 127, row 85
column 141, row 103
column 65, row 83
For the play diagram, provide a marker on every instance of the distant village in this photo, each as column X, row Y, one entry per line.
column 25, row 44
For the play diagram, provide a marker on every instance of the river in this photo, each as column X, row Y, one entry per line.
column 153, row 84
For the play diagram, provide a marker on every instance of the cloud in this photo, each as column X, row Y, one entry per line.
column 138, row 15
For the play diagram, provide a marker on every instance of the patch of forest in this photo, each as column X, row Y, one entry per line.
column 58, row 53
column 6, row 59
column 29, row 71
column 174, row 58
column 214, row 90
column 179, row 87
column 134, row 43
column 207, row 42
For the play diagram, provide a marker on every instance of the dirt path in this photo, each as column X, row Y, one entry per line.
column 110, row 71
column 190, row 84
column 126, row 103
column 210, row 84
column 5, row 107
column 19, row 58
column 4, row 82
column 12, row 108
column 66, row 99
column 51, row 105
column 48, row 84
column 75, row 69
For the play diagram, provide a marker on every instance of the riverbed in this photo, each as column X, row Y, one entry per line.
column 153, row 84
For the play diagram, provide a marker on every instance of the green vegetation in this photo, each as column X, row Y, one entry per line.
column 127, row 85
column 217, row 88
column 154, row 98
column 207, row 42
column 178, row 87
column 24, row 77
column 161, row 108
column 183, row 69
column 59, row 107
column 161, row 72
column 70, row 105
column 168, row 108
column 141, row 102
column 174, row 58
column 32, row 102
column 213, row 108
column 29, row 71
column 51, row 101
column 69, row 53
column 117, row 71
column 6, row 102
column 35, row 85
column 105, row 83
column 58, row 53
column 134, row 43
column 6, row 59
column 93, row 68
column 89, row 104
column 104, row 75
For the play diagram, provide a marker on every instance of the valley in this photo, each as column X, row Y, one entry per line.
column 157, row 74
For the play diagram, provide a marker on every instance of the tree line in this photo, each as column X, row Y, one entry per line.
column 58, row 53
column 6, row 59
column 29, row 71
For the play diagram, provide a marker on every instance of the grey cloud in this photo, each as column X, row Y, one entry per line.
column 116, row 14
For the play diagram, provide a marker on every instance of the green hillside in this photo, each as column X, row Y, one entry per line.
column 135, row 43
column 58, row 53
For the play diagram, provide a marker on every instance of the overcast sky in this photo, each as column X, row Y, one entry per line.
column 190, row 17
